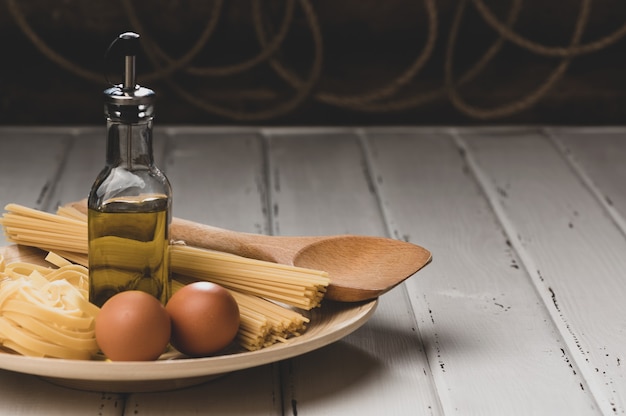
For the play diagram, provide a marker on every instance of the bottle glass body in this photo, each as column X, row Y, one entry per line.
column 129, row 211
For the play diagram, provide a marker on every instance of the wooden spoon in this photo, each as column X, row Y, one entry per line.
column 360, row 267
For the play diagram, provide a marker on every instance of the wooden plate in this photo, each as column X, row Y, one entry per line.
column 329, row 323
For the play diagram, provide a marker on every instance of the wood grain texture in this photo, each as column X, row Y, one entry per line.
column 577, row 252
column 247, row 392
column 320, row 184
column 24, row 395
column 30, row 163
column 218, row 178
column 597, row 157
column 519, row 313
column 320, row 180
column 490, row 343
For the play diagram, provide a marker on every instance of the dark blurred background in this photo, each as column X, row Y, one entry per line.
column 349, row 62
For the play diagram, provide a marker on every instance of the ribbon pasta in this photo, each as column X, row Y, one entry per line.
column 45, row 312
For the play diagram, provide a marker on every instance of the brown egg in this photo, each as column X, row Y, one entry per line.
column 133, row 326
column 205, row 318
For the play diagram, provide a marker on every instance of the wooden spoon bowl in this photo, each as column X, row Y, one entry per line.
column 362, row 267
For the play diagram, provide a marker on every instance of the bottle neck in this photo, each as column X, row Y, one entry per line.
column 130, row 145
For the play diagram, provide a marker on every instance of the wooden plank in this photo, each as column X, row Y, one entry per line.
column 490, row 342
column 30, row 162
column 248, row 392
column 320, row 185
column 320, row 179
column 217, row 178
column 24, row 395
column 573, row 251
column 597, row 157
column 474, row 335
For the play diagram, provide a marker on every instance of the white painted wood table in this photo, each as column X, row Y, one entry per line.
column 521, row 312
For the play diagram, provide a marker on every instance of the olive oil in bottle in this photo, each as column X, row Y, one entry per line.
column 128, row 249
column 129, row 205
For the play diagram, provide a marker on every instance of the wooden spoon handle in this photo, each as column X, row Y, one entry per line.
column 213, row 238
column 254, row 246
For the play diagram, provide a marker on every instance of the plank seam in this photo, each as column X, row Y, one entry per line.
column 371, row 177
column 271, row 224
column 266, row 166
column 587, row 182
column 44, row 200
column 393, row 232
column 592, row 385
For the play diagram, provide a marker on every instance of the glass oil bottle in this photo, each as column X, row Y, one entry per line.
column 129, row 205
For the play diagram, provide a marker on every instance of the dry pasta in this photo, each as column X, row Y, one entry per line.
column 45, row 312
column 253, row 283
column 47, row 231
column 295, row 286
column 66, row 234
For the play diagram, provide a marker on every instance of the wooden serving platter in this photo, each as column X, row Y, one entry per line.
column 329, row 323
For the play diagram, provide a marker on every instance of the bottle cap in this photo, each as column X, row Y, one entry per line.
column 128, row 102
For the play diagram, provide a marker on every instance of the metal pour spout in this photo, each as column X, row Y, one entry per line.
column 130, row 44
